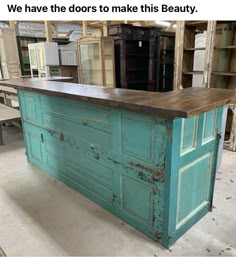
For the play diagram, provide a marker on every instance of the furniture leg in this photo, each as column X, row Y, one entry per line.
column 1, row 136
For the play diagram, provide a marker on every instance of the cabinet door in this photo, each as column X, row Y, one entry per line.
column 40, row 57
column 90, row 63
column 33, row 58
column 10, row 47
column 9, row 55
column 34, row 144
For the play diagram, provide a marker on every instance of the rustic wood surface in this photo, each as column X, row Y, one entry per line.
column 12, row 91
column 180, row 103
column 69, row 79
column 8, row 113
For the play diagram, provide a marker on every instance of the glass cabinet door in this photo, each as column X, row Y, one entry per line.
column 41, row 62
column 108, row 63
column 91, row 65
column 33, row 59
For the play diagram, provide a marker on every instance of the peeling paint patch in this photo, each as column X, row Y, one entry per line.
column 155, row 172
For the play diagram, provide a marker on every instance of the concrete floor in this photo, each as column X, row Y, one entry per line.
column 41, row 216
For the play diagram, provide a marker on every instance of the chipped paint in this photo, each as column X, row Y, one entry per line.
column 155, row 172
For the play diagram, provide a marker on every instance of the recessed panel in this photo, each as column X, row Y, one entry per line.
column 189, row 134
column 193, row 188
column 137, row 200
column 30, row 105
column 35, row 147
column 137, row 137
column 209, row 126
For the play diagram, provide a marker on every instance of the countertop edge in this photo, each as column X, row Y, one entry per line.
column 133, row 107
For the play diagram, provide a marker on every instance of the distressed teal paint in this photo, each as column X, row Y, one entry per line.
column 138, row 167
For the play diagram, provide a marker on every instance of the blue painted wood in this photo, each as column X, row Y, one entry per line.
column 155, row 173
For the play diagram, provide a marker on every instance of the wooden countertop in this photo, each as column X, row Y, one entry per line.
column 181, row 103
column 7, row 90
column 8, row 114
column 54, row 78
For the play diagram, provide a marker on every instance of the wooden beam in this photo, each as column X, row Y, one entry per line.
column 12, row 24
column 179, row 49
column 104, row 28
column 48, row 31
column 211, row 30
column 85, row 28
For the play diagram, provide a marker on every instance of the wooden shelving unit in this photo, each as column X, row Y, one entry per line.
column 224, row 56
column 219, row 64
column 144, row 57
column 185, row 50
column 224, row 73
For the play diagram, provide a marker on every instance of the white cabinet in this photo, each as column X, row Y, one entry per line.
column 68, row 54
column 44, row 58
column 9, row 57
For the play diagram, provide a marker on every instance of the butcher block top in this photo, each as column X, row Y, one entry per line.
column 174, row 104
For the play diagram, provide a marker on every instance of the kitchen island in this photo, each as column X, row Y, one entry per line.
column 149, row 158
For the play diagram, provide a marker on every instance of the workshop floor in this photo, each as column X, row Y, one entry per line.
column 41, row 216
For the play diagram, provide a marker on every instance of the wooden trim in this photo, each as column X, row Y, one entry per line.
column 179, row 47
column 85, row 28
column 48, row 31
column 211, row 28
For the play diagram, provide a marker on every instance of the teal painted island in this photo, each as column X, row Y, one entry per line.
column 149, row 158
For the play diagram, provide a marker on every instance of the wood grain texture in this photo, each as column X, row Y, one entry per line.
column 181, row 103
column 12, row 91
column 8, row 113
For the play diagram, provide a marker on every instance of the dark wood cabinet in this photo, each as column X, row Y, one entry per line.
column 139, row 60
column 131, row 55
column 167, row 56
